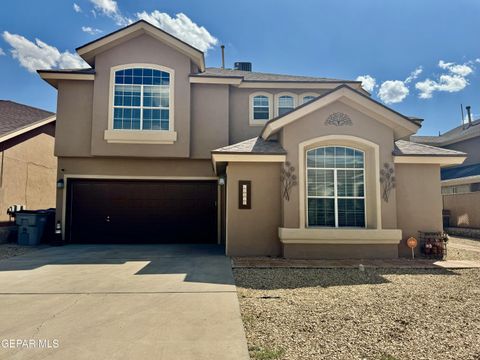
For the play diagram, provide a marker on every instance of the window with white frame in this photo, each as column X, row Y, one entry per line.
column 261, row 107
column 141, row 99
column 335, row 187
column 285, row 104
column 307, row 98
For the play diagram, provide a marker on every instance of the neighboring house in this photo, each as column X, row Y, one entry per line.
column 461, row 183
column 28, row 168
column 155, row 147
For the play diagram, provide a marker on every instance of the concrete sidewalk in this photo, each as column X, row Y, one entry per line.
column 265, row 262
column 122, row 302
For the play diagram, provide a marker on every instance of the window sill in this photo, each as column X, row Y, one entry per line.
column 140, row 137
column 339, row 236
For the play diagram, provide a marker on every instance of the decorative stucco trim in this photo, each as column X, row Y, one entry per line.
column 52, row 78
column 440, row 160
column 169, row 137
column 338, row 119
column 214, row 80
column 252, row 121
column 339, row 236
column 302, row 147
column 140, row 137
column 247, row 158
column 461, row 181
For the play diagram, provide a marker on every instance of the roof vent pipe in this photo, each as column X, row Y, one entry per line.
column 223, row 56
column 469, row 114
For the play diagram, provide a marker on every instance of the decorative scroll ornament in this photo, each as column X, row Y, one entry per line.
column 387, row 179
column 339, row 119
column 288, row 180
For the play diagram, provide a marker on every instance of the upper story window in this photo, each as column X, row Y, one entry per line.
column 260, row 108
column 285, row 104
column 142, row 99
column 336, row 187
column 305, row 98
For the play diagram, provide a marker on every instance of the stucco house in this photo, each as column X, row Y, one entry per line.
column 153, row 146
column 28, row 168
column 460, row 183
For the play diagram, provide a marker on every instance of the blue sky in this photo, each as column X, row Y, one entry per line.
column 412, row 49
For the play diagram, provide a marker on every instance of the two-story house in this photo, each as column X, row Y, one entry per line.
column 153, row 146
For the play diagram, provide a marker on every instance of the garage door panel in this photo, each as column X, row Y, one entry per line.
column 142, row 211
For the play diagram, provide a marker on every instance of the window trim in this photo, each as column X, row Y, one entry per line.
column 285, row 93
column 373, row 192
column 141, row 136
column 252, row 121
column 335, row 196
column 301, row 96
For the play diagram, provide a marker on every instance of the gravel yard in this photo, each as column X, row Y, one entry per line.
column 382, row 314
column 463, row 249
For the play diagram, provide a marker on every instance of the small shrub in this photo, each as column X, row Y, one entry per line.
column 259, row 353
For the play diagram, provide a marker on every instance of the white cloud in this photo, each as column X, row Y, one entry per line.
column 182, row 27
column 2, row 52
column 448, row 83
column 457, row 69
column 90, row 30
column 110, row 9
column 77, row 8
column 368, row 82
column 393, row 91
column 39, row 55
column 414, row 75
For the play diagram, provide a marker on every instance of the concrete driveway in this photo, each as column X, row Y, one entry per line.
column 120, row 302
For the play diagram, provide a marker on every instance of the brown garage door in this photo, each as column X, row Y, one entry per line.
column 125, row 211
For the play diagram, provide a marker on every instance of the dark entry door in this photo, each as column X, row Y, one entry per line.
column 126, row 211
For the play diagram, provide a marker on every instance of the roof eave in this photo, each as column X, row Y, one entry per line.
column 52, row 77
column 442, row 160
column 30, row 127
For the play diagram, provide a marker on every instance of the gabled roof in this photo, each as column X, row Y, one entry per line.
column 457, row 134
column 268, row 77
column 89, row 50
column 408, row 148
column 16, row 119
column 401, row 124
column 256, row 146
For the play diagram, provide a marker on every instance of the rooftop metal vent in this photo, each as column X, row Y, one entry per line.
column 244, row 66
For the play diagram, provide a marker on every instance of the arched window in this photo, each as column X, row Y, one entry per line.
column 285, row 104
column 261, row 107
column 141, row 99
column 307, row 98
column 336, row 187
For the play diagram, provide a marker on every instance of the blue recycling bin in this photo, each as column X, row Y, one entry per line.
column 31, row 226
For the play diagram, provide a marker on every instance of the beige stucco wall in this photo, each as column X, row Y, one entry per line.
column 240, row 129
column 464, row 209
column 28, row 175
column 143, row 49
column 254, row 231
column 419, row 201
column 129, row 167
column 73, row 132
column 313, row 126
column 209, row 119
column 343, row 251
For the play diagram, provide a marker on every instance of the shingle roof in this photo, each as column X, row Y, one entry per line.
column 460, row 172
column 259, row 76
column 457, row 134
column 408, row 148
column 15, row 116
column 256, row 145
